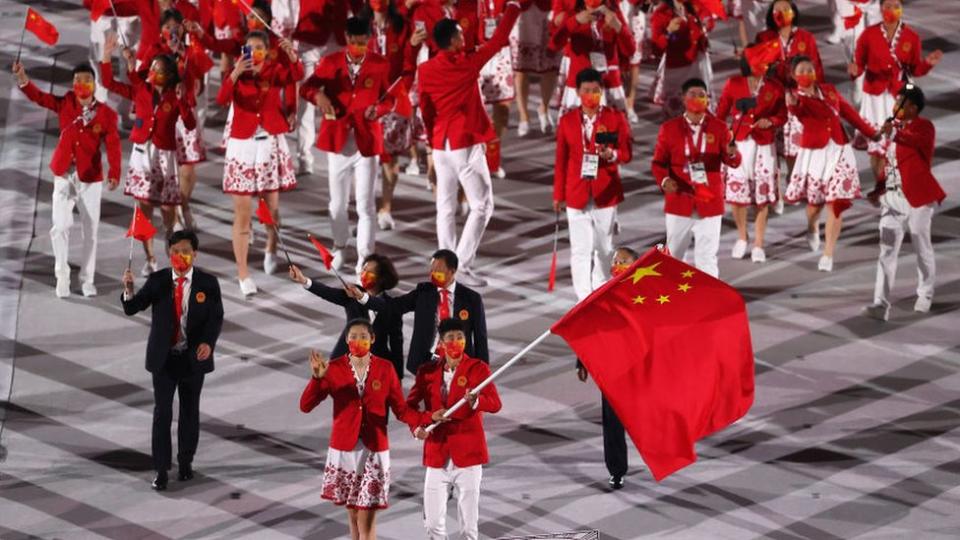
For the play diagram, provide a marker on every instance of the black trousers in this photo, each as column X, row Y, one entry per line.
column 175, row 377
column 614, row 441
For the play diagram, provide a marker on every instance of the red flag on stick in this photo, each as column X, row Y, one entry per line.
column 324, row 254
column 264, row 214
column 853, row 20
column 761, row 55
column 42, row 28
column 669, row 347
column 552, row 279
column 98, row 8
column 140, row 227
column 715, row 7
column 403, row 107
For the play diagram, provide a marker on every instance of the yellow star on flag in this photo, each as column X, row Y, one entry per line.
column 687, row 274
column 639, row 299
column 663, row 299
column 684, row 287
column 645, row 271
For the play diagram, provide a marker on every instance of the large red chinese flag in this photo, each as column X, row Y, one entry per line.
column 42, row 28
column 669, row 347
column 140, row 227
column 324, row 253
column 761, row 55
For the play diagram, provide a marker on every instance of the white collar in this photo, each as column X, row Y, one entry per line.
column 188, row 275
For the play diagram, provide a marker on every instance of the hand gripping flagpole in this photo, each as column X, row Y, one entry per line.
column 476, row 391
column 116, row 19
column 249, row 8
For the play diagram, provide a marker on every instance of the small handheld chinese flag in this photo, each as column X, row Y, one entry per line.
column 403, row 106
column 761, row 55
column 324, row 254
column 852, row 21
column 98, row 8
column 140, row 227
column 264, row 215
column 715, row 7
column 42, row 28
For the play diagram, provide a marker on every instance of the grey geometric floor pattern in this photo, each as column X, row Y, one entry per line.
column 854, row 433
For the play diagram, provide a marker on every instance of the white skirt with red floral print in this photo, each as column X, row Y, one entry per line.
column 152, row 175
column 528, row 43
column 190, row 148
column 754, row 182
column 397, row 134
column 496, row 79
column 259, row 164
column 824, row 175
column 792, row 135
column 359, row 478
column 875, row 110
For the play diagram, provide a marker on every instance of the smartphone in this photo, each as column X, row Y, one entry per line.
column 420, row 26
column 247, row 52
column 608, row 137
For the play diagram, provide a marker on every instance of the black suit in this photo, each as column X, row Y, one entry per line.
column 175, row 371
column 423, row 301
column 614, row 438
column 388, row 326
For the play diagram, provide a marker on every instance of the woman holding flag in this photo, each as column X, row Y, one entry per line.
column 258, row 161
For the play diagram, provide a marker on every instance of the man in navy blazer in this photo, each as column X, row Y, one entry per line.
column 187, row 314
column 427, row 303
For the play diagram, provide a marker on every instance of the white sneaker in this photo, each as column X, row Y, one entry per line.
column 923, row 304
column 63, row 288
column 632, row 117
column 835, row 37
column 825, row 264
column 464, row 208
column 500, row 173
column 813, row 240
column 337, row 258
column 247, row 286
column 778, row 207
column 149, row 267
column 739, row 249
column 523, row 129
column 546, row 122
column 269, row 263
column 385, row 221
column 879, row 312
column 413, row 169
column 89, row 289
column 468, row 278
column 305, row 167
column 757, row 255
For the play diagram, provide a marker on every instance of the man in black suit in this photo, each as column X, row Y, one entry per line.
column 187, row 315
column 433, row 301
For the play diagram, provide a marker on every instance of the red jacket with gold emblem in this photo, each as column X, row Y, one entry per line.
column 450, row 96
column 350, row 99
column 606, row 189
column 156, row 119
column 462, row 439
column 578, row 41
column 79, row 142
column 256, row 99
column 670, row 161
column 881, row 70
column 915, row 142
column 821, row 118
column 683, row 46
column 770, row 105
column 360, row 417
column 465, row 12
column 801, row 42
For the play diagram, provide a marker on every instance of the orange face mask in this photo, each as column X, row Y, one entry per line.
column 258, row 55
column 783, row 18
column 83, row 90
column 358, row 347
column 368, row 280
column 157, row 78
column 590, row 100
column 438, row 278
column 454, row 349
column 697, row 104
column 356, row 50
column 892, row 15
column 618, row 269
column 805, row 80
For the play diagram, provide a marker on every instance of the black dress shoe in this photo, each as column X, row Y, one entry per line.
column 160, row 482
column 185, row 473
column 616, row 482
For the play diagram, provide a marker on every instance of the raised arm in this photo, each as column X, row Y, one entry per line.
column 500, row 38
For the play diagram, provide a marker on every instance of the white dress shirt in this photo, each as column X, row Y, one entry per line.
column 181, row 344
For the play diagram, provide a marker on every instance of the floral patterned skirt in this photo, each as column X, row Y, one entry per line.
column 528, row 43
column 190, row 148
column 824, row 175
column 359, row 478
column 754, row 182
column 152, row 175
column 259, row 164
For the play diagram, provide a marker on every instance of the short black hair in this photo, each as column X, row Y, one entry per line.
column 448, row 257
column 450, row 325
column 171, row 13
column 693, row 83
column 181, row 235
column 263, row 6
column 358, row 27
column 797, row 60
column 628, row 250
column 258, row 34
column 586, row 75
column 913, row 94
column 84, row 68
column 772, row 24
column 387, row 277
column 444, row 31
column 360, row 322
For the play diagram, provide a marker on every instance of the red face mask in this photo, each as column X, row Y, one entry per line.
column 892, row 15
column 83, row 90
column 157, row 78
column 593, row 4
column 697, row 105
column 439, row 279
column 368, row 280
column 258, row 55
column 180, row 263
column 358, row 347
column 590, row 100
column 805, row 80
column 454, row 349
column 378, row 6
column 783, row 18
column 618, row 269
column 356, row 51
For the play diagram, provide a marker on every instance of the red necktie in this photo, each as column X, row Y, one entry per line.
column 444, row 308
column 177, row 309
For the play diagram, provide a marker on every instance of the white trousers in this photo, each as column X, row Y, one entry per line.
column 436, row 490
column 705, row 233
column 128, row 27
column 591, row 246
column 892, row 224
column 360, row 171
column 70, row 192
column 465, row 167
column 307, row 111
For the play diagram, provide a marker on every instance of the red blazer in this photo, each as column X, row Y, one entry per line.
column 450, row 101
column 577, row 41
column 801, row 42
column 461, row 439
column 256, row 99
column 155, row 122
column 821, row 118
column 606, row 189
column 669, row 161
column 320, row 20
column 683, row 46
column 350, row 101
column 79, row 144
column 881, row 70
column 357, row 417
column 465, row 12
column 770, row 105
column 192, row 65
column 394, row 45
column 914, row 160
